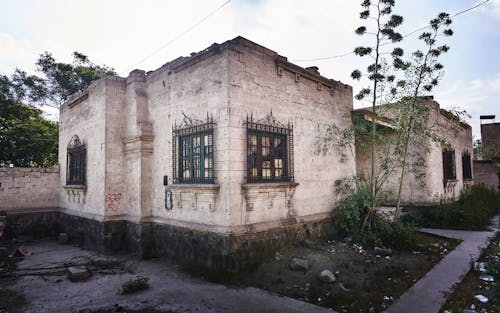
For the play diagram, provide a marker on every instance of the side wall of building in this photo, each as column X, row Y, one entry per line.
column 23, row 189
column 85, row 118
column 487, row 174
column 261, row 88
column 430, row 187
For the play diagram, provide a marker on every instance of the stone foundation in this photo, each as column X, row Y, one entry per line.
column 186, row 246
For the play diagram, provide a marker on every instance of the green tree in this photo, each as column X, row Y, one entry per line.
column 26, row 138
column 421, row 74
column 382, row 30
column 58, row 81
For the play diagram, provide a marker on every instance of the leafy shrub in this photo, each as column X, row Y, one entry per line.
column 135, row 284
column 472, row 211
column 350, row 214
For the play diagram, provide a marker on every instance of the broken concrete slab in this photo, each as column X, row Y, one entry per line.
column 21, row 250
column 78, row 273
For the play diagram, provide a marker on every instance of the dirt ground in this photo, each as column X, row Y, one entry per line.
column 366, row 280
column 40, row 283
column 462, row 298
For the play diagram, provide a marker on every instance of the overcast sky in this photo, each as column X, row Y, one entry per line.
column 120, row 33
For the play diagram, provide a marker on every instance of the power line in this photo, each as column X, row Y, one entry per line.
column 406, row 35
column 177, row 37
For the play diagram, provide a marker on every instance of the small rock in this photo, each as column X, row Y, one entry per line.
column 387, row 257
column 62, row 238
column 327, row 277
column 307, row 243
column 383, row 251
column 78, row 273
column 299, row 264
column 481, row 298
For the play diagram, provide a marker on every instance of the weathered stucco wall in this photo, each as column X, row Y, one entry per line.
column 179, row 94
column 29, row 188
column 85, row 118
column 258, row 86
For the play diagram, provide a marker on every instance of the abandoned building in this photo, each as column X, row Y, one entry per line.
column 211, row 159
column 207, row 159
column 487, row 166
column 446, row 167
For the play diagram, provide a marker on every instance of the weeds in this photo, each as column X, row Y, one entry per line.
column 472, row 211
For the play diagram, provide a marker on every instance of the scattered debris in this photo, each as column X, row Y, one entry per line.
column 299, row 264
column 383, row 251
column 327, row 277
column 480, row 267
column 78, row 273
column 23, row 251
column 134, row 285
column 343, row 287
column 481, row 298
column 487, row 278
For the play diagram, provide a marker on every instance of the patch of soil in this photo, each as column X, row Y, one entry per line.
column 366, row 280
column 472, row 285
column 10, row 301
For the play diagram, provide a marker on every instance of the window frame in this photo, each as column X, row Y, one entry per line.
column 271, row 129
column 188, row 135
column 466, row 166
column 76, row 163
column 449, row 171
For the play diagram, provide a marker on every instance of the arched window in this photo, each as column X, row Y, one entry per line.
column 76, row 162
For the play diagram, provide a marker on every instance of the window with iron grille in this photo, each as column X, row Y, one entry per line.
column 466, row 166
column 269, row 152
column 76, row 162
column 449, row 172
column 193, row 154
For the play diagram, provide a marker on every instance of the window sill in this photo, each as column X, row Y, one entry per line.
column 76, row 187
column 212, row 187
column 270, row 185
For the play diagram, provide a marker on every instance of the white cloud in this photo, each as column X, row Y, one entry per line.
column 14, row 53
column 476, row 96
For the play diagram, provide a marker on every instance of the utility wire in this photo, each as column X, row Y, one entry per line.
column 406, row 35
column 177, row 37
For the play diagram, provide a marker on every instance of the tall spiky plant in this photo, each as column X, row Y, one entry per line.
column 421, row 74
column 382, row 29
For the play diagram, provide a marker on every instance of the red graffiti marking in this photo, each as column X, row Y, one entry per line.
column 132, row 200
column 112, row 201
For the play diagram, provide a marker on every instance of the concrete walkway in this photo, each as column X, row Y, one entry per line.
column 429, row 294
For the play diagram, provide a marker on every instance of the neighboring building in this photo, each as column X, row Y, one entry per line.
column 447, row 170
column 487, row 169
column 210, row 159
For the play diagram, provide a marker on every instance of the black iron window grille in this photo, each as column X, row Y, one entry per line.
column 269, row 151
column 466, row 166
column 193, row 152
column 76, row 162
column 449, row 172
